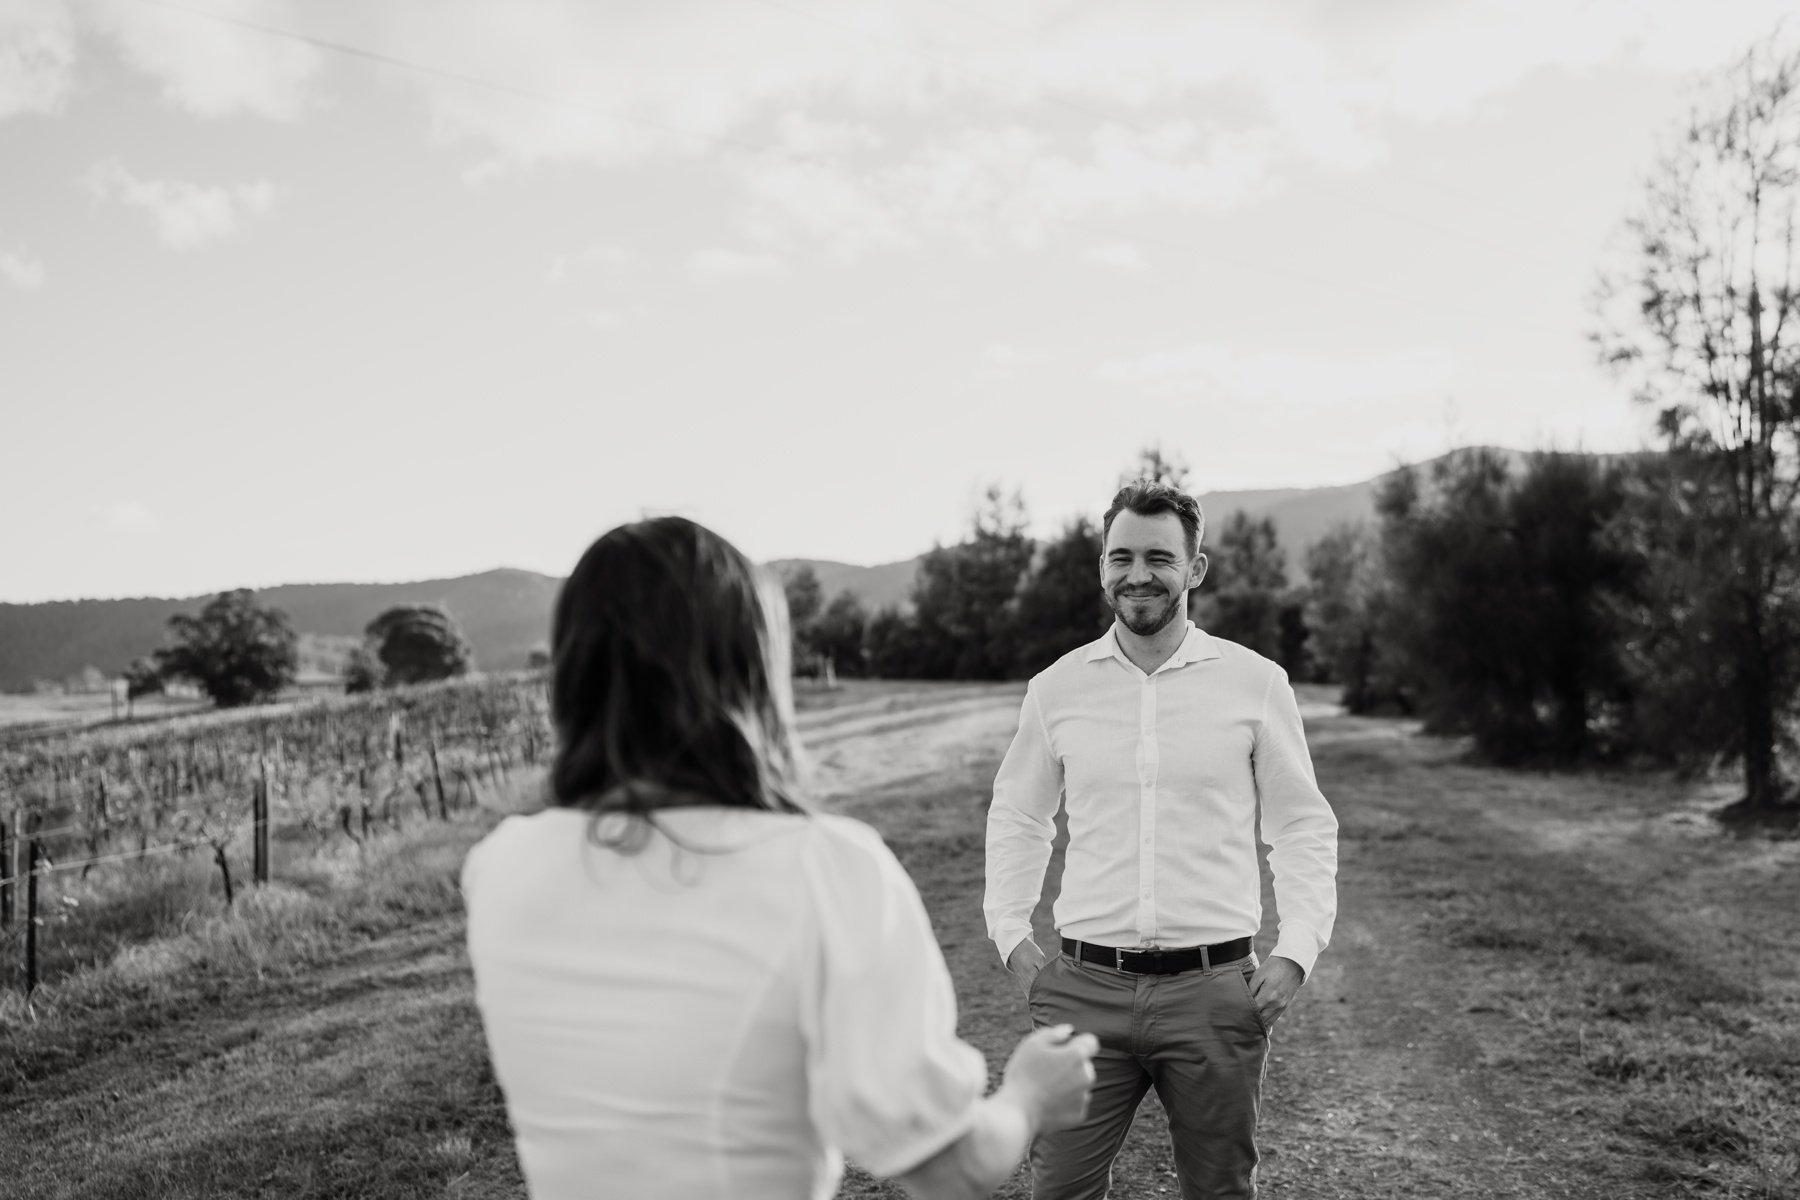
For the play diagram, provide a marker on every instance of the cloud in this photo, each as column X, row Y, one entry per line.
column 184, row 214
column 212, row 68
column 1299, row 380
column 563, row 265
column 126, row 515
column 718, row 264
column 868, row 125
column 23, row 270
column 1004, row 361
column 1120, row 255
column 37, row 56
column 871, row 125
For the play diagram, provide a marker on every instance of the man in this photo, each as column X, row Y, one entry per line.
column 1165, row 746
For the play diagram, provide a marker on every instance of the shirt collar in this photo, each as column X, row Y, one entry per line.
column 1197, row 646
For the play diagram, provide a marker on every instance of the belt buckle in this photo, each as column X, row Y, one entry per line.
column 1118, row 959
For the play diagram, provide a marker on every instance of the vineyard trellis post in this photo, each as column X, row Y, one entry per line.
column 218, row 849
column 31, row 919
column 259, row 813
column 437, row 777
column 8, row 869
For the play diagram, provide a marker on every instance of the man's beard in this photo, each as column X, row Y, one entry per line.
column 1144, row 622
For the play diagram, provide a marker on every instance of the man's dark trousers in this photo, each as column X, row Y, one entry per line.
column 1194, row 1036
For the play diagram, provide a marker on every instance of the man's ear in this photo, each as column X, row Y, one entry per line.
column 1197, row 572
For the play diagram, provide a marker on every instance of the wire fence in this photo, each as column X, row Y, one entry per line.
column 344, row 768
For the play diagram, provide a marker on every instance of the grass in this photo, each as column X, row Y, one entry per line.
column 317, row 1039
column 1540, row 985
column 75, row 709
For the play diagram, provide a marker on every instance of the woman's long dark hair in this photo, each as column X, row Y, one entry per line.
column 670, row 677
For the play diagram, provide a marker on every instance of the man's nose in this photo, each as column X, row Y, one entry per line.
column 1139, row 572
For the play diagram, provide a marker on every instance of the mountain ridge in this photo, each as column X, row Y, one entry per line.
column 505, row 611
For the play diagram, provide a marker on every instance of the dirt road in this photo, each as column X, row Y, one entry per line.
column 1540, row 986
column 1506, row 943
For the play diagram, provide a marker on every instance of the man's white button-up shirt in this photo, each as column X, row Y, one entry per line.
column 1164, row 777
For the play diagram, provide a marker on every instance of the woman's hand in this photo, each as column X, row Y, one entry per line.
column 1045, row 1087
column 1049, row 1075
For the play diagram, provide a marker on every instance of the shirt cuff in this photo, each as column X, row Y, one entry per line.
column 1008, row 939
column 1299, row 946
column 908, row 1156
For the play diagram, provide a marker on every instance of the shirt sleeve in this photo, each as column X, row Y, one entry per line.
column 1298, row 826
column 1021, row 826
column 890, row 1083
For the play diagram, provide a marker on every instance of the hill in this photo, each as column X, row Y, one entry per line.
column 1301, row 515
column 506, row 613
column 888, row 585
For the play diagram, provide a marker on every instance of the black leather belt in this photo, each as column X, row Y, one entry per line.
column 1158, row 962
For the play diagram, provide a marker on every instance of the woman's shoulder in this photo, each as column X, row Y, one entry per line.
column 518, row 834
column 838, row 834
column 849, row 858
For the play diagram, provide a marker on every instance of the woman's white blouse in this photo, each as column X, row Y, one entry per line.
column 728, row 1019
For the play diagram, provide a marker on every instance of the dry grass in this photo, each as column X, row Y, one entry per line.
column 1540, row 986
column 77, row 709
column 318, row 1039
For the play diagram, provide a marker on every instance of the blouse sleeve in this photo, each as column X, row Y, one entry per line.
column 890, row 1083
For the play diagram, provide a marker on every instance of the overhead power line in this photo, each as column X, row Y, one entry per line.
column 1436, row 303
column 463, row 77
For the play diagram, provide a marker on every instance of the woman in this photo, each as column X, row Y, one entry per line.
column 691, row 986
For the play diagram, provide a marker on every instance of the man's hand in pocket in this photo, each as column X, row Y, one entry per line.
column 1025, row 961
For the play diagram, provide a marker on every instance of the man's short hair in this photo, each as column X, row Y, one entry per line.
column 1147, row 498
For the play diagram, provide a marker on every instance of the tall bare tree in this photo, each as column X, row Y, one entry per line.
column 1702, row 320
column 1153, row 462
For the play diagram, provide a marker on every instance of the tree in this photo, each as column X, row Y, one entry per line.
column 1060, row 605
column 837, row 632
column 418, row 643
column 804, row 596
column 142, row 678
column 804, row 599
column 1562, row 513
column 1154, row 465
column 1244, row 597
column 894, row 647
column 1701, row 320
column 1507, row 630
column 236, row 651
column 363, row 671
column 1346, row 600
column 963, row 595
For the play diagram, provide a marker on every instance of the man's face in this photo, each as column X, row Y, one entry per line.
column 1145, row 570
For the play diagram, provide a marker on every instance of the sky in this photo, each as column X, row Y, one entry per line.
column 379, row 290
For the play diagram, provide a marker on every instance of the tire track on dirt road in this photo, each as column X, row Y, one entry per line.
column 1389, row 1077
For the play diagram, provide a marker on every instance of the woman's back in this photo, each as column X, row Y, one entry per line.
column 718, row 1020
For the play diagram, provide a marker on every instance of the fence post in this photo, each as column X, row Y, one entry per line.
column 8, row 864
column 31, row 919
column 437, row 777
column 224, row 870
column 259, row 811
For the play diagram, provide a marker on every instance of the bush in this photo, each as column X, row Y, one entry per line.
column 418, row 643
column 235, row 651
